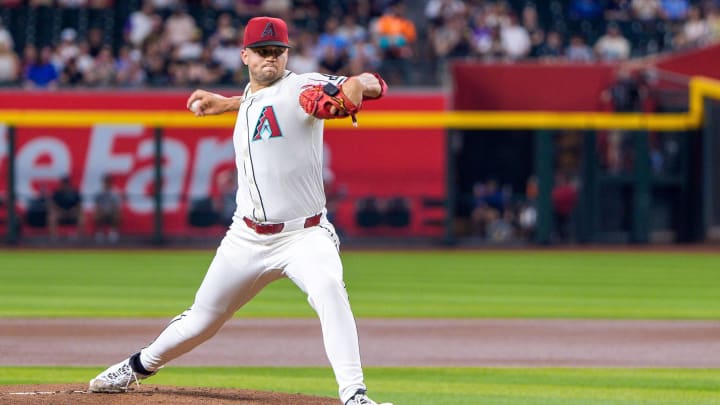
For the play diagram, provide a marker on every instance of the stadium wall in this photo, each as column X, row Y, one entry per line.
column 383, row 163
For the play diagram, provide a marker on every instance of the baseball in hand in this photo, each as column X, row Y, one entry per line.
column 195, row 106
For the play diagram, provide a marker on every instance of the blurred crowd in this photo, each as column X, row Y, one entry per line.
column 158, row 43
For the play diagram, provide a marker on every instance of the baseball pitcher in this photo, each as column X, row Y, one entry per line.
column 279, row 228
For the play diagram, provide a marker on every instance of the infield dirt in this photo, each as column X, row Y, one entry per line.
column 384, row 342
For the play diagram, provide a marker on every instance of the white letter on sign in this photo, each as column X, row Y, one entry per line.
column 29, row 170
column 175, row 156
column 101, row 160
column 210, row 154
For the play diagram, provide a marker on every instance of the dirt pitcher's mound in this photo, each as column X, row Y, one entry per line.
column 150, row 394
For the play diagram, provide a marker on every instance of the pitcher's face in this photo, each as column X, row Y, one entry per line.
column 265, row 64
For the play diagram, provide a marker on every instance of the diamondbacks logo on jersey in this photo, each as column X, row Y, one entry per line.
column 267, row 125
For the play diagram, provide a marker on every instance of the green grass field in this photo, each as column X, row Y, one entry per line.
column 511, row 284
column 447, row 284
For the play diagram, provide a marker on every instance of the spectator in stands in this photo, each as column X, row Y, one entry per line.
column 713, row 24
column 364, row 57
column 227, row 54
column 674, row 10
column 224, row 30
column 204, row 70
column 496, row 14
column 5, row 36
column 553, row 47
column 222, row 6
column 65, row 208
column 9, row 64
column 451, row 40
column 84, row 60
column 648, row 29
column 438, row 12
column 156, row 35
column 107, row 212
column 71, row 75
column 139, row 24
column 515, row 39
column 531, row 22
column 102, row 73
column 305, row 15
column 578, row 50
column 585, row 10
column 585, row 16
column 165, row 7
column 280, row 8
column 129, row 68
column 497, row 48
column 331, row 38
column 650, row 26
column 155, row 62
column 395, row 35
column 180, row 26
column 694, row 30
column 190, row 49
column 351, row 31
column 618, row 11
column 333, row 61
column 482, row 35
column 246, row 9
column 67, row 48
column 304, row 60
column 96, row 41
column 613, row 45
column 646, row 10
column 40, row 72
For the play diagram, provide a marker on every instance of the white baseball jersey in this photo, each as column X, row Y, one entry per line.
column 279, row 158
column 279, row 170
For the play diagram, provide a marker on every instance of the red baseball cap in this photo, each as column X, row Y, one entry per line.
column 264, row 31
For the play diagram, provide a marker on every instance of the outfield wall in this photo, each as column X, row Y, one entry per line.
column 363, row 162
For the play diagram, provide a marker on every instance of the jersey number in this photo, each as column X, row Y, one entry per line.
column 267, row 125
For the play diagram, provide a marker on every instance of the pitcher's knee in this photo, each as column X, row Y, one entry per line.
column 200, row 324
column 329, row 289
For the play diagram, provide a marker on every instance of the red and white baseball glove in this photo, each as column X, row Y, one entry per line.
column 327, row 101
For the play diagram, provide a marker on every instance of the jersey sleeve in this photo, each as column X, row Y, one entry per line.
column 322, row 78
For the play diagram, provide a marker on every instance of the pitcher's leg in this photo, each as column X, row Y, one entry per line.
column 316, row 268
column 228, row 284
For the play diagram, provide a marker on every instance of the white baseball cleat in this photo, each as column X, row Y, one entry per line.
column 361, row 399
column 117, row 378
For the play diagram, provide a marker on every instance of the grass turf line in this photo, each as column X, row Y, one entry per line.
column 436, row 386
column 436, row 284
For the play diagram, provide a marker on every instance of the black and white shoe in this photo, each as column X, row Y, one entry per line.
column 360, row 398
column 117, row 378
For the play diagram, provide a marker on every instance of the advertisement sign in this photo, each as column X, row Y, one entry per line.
column 361, row 163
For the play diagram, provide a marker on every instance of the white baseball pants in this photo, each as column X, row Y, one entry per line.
column 244, row 264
